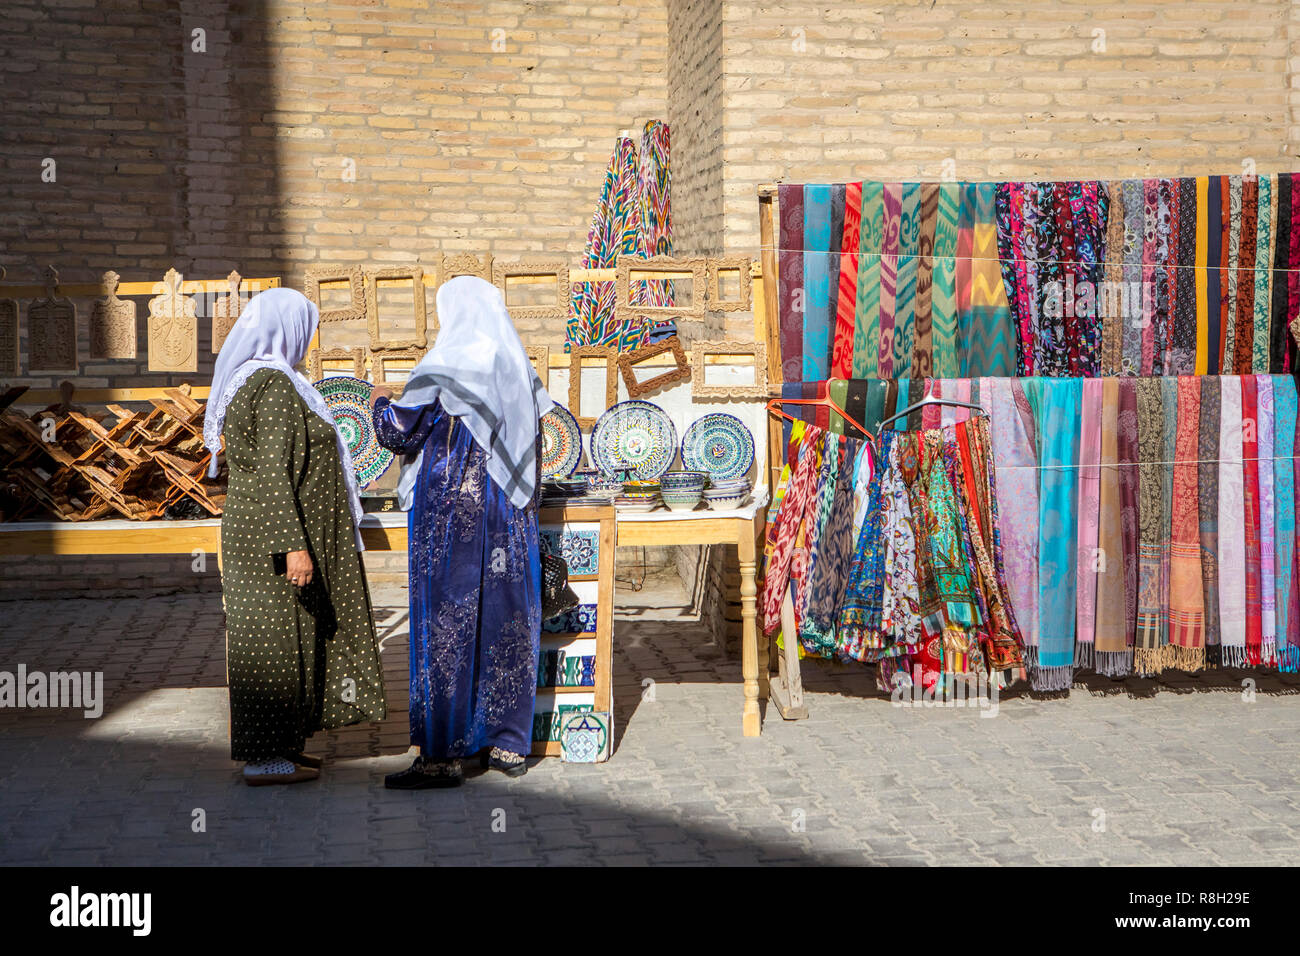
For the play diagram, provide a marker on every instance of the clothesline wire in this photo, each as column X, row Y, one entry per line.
column 1035, row 261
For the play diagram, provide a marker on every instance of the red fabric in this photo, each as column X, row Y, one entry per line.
column 790, row 518
column 846, row 307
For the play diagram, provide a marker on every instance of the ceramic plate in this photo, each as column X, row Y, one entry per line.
column 561, row 443
column 719, row 444
column 634, row 440
column 348, row 400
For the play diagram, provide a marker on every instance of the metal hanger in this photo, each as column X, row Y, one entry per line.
column 930, row 400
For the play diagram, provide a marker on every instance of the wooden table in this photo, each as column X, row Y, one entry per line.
column 742, row 527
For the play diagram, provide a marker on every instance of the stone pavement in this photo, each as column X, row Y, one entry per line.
column 1177, row 778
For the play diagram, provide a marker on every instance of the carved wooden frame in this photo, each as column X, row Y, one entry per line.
column 741, row 264
column 52, row 308
column 317, row 358
column 628, row 360
column 380, row 372
column 451, row 265
column 354, row 277
column 576, row 355
column 502, row 272
column 172, row 305
column 701, row 350
column 698, row 269
column 103, row 312
column 540, row 356
column 373, row 277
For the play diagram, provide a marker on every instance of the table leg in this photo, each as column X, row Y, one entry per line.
column 764, row 647
column 752, row 722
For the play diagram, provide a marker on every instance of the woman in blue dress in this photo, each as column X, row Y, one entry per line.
column 467, row 428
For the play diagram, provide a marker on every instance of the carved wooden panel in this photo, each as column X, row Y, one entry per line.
column 8, row 334
column 627, row 362
column 312, row 280
column 112, row 322
column 557, row 308
column 576, row 355
column 540, row 356
column 317, row 358
column 738, row 264
column 463, row 264
column 51, row 330
column 669, row 267
column 173, row 328
column 377, row 341
column 699, row 355
column 225, row 312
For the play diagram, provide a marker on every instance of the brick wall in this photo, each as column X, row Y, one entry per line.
column 695, row 115
column 1044, row 89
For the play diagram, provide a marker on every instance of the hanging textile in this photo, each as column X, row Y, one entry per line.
column 846, row 303
column 1089, row 479
column 1207, row 487
column 1232, row 547
column 790, row 294
column 1186, row 593
column 1112, row 655
column 1284, row 491
column 943, row 309
column 871, row 243
column 591, row 320
column 1267, row 540
column 654, row 188
column 1056, row 404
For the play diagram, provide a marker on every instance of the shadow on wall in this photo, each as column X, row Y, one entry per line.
column 138, row 138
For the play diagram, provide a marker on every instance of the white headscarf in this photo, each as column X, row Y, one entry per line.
column 479, row 371
column 273, row 331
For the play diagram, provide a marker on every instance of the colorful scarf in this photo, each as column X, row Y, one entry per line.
column 921, row 359
column 1244, row 330
column 1267, row 205
column 889, row 278
column 1267, row 541
column 1186, row 594
column 790, row 291
column 816, row 283
column 1135, row 315
column 1234, row 226
column 1251, row 506
column 1089, row 509
column 1232, row 546
column 1151, row 605
column 1183, row 276
column 591, row 319
column 1201, row 275
column 1113, row 656
column 846, row 303
column 1129, row 451
column 790, row 522
column 1284, row 489
column 871, row 243
column 943, row 298
column 1207, row 487
column 1056, row 404
column 909, row 234
column 1110, row 306
column 861, row 611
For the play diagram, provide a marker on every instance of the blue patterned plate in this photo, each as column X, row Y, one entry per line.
column 561, row 442
column 719, row 444
column 348, row 400
column 634, row 440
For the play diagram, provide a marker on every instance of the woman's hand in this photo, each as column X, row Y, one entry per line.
column 297, row 568
column 378, row 392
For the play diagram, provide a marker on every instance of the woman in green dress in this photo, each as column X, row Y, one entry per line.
column 301, row 650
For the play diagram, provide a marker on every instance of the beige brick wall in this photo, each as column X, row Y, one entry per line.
column 837, row 90
column 695, row 113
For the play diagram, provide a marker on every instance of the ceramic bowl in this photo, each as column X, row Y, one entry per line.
column 730, row 484
column 683, row 481
column 726, row 502
column 682, row 504
column 636, row 505
column 640, row 489
column 601, row 487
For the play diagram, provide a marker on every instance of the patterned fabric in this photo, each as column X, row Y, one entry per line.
column 1183, row 277
column 1251, row 512
column 922, row 360
column 1278, row 352
column 871, row 243
column 789, row 524
column 654, row 191
column 1234, row 227
column 889, row 278
column 1186, row 596
column 1113, row 320
column 861, row 613
column 1151, row 319
column 1207, row 487
column 1201, row 275
column 1267, row 207
column 909, row 237
column 1151, row 590
column 1089, row 480
column 1244, row 329
column 790, row 293
column 1130, row 486
column 591, row 320
column 1136, row 317
column 846, row 303
column 1267, row 541
column 945, row 363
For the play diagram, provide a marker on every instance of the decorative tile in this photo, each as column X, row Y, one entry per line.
column 547, row 724
column 580, row 549
column 585, row 737
column 580, row 620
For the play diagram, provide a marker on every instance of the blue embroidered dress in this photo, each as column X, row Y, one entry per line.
column 475, row 580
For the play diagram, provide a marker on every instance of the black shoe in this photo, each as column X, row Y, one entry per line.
column 510, row 764
column 426, row 775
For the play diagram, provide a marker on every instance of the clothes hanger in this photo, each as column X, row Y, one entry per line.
column 930, row 400
column 773, row 407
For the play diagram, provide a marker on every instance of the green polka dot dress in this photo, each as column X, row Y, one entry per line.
column 299, row 660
